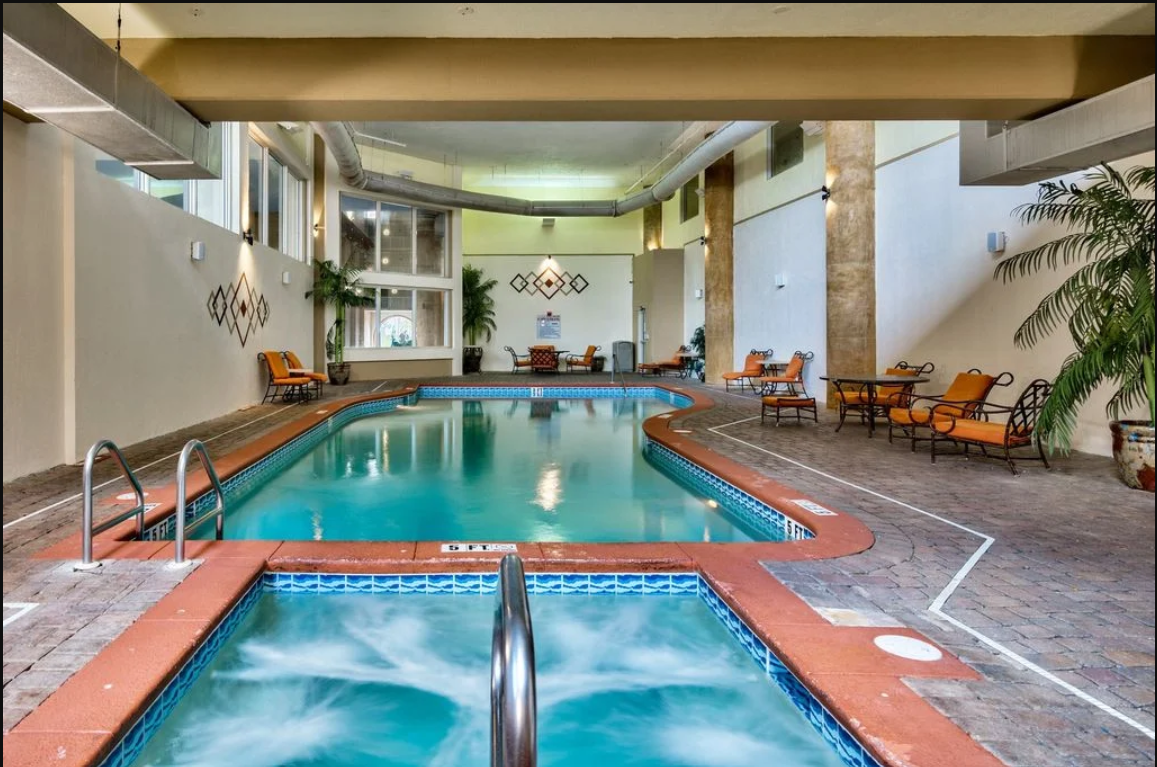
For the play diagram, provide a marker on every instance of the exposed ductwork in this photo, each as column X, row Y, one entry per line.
column 1108, row 127
column 338, row 137
column 58, row 71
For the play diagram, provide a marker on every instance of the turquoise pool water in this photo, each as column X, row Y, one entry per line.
column 486, row 470
column 359, row 680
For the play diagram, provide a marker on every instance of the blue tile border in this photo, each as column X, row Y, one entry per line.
column 772, row 523
column 850, row 751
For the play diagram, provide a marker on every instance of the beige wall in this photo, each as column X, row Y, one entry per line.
column 388, row 370
column 896, row 138
column 756, row 193
column 34, row 290
column 658, row 285
column 678, row 233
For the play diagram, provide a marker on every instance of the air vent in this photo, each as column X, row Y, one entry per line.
column 58, row 71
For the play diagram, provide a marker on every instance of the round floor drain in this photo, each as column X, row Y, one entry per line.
column 907, row 647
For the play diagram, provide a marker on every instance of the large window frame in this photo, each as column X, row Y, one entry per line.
column 689, row 200
column 366, row 335
column 292, row 196
column 381, row 207
column 785, row 147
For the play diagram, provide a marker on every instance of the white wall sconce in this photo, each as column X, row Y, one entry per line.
column 699, row 292
column 197, row 251
column 780, row 280
column 997, row 241
column 286, row 278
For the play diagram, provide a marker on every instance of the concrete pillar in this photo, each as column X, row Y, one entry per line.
column 319, row 218
column 719, row 278
column 653, row 227
column 851, row 248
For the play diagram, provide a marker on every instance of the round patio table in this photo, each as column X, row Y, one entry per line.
column 870, row 383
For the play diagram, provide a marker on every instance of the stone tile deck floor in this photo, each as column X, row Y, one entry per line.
column 1067, row 582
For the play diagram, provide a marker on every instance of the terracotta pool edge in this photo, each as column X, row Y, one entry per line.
column 59, row 723
column 837, row 535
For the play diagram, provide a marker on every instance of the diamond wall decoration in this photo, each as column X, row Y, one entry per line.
column 549, row 283
column 239, row 307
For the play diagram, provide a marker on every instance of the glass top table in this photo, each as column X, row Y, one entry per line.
column 869, row 385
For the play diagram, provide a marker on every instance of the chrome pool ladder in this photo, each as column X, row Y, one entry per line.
column 513, row 709
column 87, row 528
column 218, row 513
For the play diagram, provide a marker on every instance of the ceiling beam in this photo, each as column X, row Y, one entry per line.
column 646, row 79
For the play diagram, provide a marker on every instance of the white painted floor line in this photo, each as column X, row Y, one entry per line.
column 379, row 386
column 22, row 609
column 937, row 606
column 71, row 498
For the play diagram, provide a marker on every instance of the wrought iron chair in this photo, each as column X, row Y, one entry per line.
column 280, row 382
column 518, row 361
column 1019, row 431
column 963, row 399
column 587, row 360
column 752, row 369
column 318, row 379
column 792, row 378
column 673, row 365
column 887, row 397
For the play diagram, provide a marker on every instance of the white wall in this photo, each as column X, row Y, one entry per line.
column 600, row 315
column 790, row 240
column 34, row 275
column 149, row 358
column 936, row 299
column 694, row 278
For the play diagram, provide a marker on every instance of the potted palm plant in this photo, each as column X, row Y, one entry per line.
column 1106, row 304
column 699, row 345
column 337, row 286
column 477, row 315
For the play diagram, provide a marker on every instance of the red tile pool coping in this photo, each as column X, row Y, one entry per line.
column 860, row 684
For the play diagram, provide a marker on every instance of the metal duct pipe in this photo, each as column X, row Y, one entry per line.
column 339, row 138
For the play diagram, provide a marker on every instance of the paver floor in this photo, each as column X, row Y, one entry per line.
column 1067, row 582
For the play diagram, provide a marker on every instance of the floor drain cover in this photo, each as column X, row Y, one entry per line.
column 907, row 647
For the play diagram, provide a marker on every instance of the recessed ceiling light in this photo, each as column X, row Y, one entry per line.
column 781, row 9
column 465, row 10
column 195, row 12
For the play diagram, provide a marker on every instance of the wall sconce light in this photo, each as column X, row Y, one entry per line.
column 247, row 236
column 547, row 223
column 197, row 251
column 550, row 258
column 286, row 277
column 780, row 280
column 825, row 193
column 699, row 292
column 703, row 241
column 318, row 228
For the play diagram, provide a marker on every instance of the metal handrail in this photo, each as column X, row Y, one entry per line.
column 88, row 530
column 182, row 498
column 513, row 711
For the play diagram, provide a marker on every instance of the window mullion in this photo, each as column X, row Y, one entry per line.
column 413, row 240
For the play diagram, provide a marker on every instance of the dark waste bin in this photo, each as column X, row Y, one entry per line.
column 597, row 364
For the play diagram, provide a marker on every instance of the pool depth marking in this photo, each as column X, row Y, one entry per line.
column 937, row 606
column 465, row 548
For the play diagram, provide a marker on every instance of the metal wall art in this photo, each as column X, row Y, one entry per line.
column 239, row 307
column 549, row 283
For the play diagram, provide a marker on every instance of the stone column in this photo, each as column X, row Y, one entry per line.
column 719, row 280
column 652, row 227
column 851, row 248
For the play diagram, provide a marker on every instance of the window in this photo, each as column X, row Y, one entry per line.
column 256, row 190
column 399, row 318
column 784, row 147
column 208, row 199
column 390, row 238
column 689, row 200
column 276, row 203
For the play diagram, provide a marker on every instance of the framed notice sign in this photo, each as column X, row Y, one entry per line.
column 548, row 327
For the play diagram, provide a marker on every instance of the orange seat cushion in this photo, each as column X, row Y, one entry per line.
column 883, row 399
column 985, row 432
column 739, row 375
column 522, row 363
column 789, row 401
column 295, row 381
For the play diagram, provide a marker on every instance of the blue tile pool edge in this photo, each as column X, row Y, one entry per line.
column 752, row 511
column 851, row 752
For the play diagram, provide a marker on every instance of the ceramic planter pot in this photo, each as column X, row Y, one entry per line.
column 339, row 375
column 471, row 359
column 1133, row 451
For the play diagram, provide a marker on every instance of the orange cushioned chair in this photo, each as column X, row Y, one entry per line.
column 1018, row 431
column 752, row 369
column 586, row 361
column 318, row 379
column 962, row 401
column 279, row 378
column 887, row 397
column 675, row 364
column 792, row 378
column 519, row 361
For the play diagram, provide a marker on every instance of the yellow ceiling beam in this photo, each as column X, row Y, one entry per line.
column 644, row 79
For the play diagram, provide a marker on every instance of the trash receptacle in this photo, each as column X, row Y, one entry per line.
column 598, row 363
column 623, row 357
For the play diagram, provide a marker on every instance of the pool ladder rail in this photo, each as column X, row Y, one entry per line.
column 182, row 526
column 513, row 706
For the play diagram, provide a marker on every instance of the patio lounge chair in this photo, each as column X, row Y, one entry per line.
column 752, row 369
column 318, row 379
column 887, row 397
column 281, row 383
column 962, row 401
column 673, row 365
column 586, row 361
column 791, row 380
column 518, row 361
column 1019, row 431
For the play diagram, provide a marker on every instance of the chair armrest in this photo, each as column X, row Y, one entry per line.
column 932, row 402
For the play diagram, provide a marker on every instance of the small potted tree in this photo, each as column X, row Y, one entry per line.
column 477, row 315
column 337, row 286
column 1106, row 304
